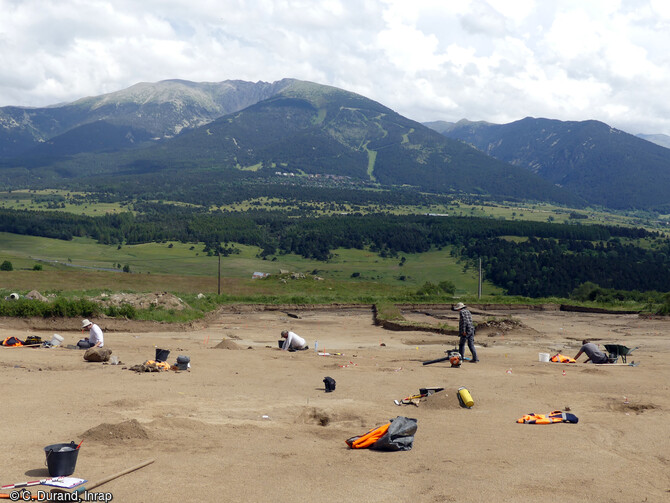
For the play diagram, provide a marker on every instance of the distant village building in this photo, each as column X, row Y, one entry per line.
column 260, row 275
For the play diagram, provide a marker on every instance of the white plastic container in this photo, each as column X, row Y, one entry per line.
column 544, row 357
column 57, row 340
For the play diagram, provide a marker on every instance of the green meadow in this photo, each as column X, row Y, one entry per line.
column 179, row 267
column 56, row 200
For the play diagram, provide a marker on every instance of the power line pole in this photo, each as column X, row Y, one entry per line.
column 219, row 289
column 479, row 290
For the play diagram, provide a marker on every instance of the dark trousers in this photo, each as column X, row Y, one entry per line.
column 470, row 339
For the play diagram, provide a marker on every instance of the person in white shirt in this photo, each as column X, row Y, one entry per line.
column 95, row 337
column 293, row 341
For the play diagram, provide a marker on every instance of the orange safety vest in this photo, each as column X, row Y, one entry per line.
column 555, row 416
column 559, row 358
column 369, row 438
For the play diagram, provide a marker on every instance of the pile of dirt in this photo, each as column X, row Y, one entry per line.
column 440, row 400
column 35, row 295
column 498, row 327
column 227, row 344
column 127, row 430
column 164, row 300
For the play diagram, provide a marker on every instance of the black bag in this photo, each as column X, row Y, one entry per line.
column 330, row 384
column 399, row 436
column 32, row 339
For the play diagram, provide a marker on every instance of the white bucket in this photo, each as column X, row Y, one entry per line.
column 56, row 340
column 544, row 357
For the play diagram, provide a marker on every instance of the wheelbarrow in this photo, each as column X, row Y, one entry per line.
column 617, row 351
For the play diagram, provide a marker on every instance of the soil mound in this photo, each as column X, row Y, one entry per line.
column 35, row 295
column 439, row 401
column 143, row 301
column 127, row 430
column 227, row 344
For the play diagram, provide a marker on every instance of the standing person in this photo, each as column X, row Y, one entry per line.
column 593, row 353
column 466, row 331
column 293, row 341
column 95, row 337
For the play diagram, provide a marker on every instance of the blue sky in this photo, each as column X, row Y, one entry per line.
column 492, row 60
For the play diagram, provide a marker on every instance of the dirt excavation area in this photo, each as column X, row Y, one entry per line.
column 251, row 423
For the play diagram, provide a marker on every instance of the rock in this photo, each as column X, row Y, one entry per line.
column 97, row 354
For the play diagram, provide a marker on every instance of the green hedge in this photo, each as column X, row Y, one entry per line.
column 69, row 308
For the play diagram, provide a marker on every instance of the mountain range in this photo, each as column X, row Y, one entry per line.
column 209, row 131
column 604, row 165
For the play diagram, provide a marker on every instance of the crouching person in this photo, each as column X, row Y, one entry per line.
column 292, row 341
column 592, row 352
column 94, row 343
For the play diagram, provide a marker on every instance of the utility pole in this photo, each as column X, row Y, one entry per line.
column 479, row 290
column 219, row 289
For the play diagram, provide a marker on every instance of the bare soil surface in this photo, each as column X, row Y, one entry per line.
column 249, row 422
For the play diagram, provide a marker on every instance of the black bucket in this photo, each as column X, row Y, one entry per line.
column 61, row 459
column 162, row 355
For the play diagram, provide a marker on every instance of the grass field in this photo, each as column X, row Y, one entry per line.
column 178, row 267
column 51, row 200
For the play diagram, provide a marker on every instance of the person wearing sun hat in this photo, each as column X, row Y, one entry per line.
column 466, row 331
column 95, row 337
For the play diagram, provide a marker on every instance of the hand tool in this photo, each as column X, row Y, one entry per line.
column 88, row 487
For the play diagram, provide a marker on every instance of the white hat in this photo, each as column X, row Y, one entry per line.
column 459, row 306
column 85, row 323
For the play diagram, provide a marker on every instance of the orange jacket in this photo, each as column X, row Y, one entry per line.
column 369, row 438
column 559, row 358
column 555, row 416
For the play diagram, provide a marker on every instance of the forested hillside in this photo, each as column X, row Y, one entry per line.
column 592, row 160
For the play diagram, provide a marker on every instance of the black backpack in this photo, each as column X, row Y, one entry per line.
column 329, row 383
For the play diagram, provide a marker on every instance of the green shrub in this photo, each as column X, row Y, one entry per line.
column 69, row 308
column 447, row 287
column 122, row 311
column 664, row 309
column 6, row 266
column 429, row 289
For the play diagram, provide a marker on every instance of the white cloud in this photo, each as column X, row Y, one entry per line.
column 495, row 60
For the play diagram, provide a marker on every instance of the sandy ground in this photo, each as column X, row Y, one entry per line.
column 250, row 423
